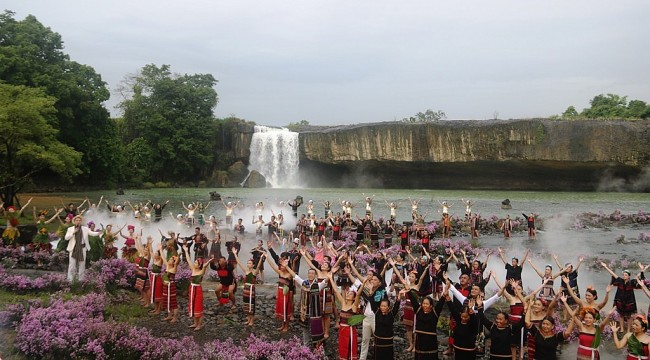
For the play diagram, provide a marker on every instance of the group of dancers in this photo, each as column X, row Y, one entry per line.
column 411, row 287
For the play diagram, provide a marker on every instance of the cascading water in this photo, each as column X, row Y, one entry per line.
column 274, row 154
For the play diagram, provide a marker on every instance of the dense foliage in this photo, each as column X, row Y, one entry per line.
column 56, row 129
column 610, row 106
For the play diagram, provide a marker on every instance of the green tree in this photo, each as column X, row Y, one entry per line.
column 606, row 106
column 297, row 125
column 638, row 109
column 570, row 112
column 32, row 55
column 173, row 114
column 28, row 143
column 427, row 116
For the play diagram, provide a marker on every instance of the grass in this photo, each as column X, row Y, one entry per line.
column 127, row 312
column 8, row 297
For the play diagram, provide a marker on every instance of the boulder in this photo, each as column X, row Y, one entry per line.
column 255, row 180
column 237, row 172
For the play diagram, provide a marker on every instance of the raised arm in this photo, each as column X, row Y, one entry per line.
column 187, row 256
column 335, row 289
column 535, row 268
column 602, row 263
column 502, row 257
column 559, row 266
column 608, row 289
column 581, row 259
column 273, row 266
column 234, row 252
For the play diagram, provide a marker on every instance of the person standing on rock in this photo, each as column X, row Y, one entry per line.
column 78, row 245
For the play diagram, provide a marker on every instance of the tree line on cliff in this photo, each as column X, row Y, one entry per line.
column 55, row 129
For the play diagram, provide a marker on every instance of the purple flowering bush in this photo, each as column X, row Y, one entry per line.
column 22, row 284
column 76, row 329
column 109, row 275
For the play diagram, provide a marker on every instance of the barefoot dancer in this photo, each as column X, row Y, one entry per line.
column 250, row 279
column 155, row 281
column 284, row 301
column 195, row 301
column 169, row 290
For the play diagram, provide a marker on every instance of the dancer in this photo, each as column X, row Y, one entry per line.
column 530, row 219
column 384, row 334
column 225, row 290
column 589, row 332
column 636, row 340
column 156, row 282
column 169, row 290
column 624, row 299
column 284, row 299
column 258, row 265
column 157, row 210
column 475, row 225
column 446, row 226
column 506, row 226
column 311, row 288
column 546, row 338
column 61, row 231
column 250, row 280
column 412, row 285
column 11, row 233
column 547, row 293
column 129, row 252
column 142, row 266
column 41, row 241
column 347, row 333
column 500, row 333
column 513, row 270
column 426, row 323
column 96, row 246
column 109, row 237
column 468, row 208
column 467, row 327
column 572, row 275
column 230, row 207
column 195, row 301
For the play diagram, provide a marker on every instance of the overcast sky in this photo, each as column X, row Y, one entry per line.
column 347, row 61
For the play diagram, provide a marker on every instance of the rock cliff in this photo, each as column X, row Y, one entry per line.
column 491, row 154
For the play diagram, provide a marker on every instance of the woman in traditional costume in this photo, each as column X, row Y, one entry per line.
column 156, row 282
column 42, row 238
column 169, row 290
column 284, row 299
column 195, row 300
column 636, row 340
column 250, row 279
column 129, row 251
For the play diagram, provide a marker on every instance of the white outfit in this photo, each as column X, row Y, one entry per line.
column 76, row 268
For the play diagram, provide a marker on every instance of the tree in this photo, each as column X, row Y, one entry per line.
column 297, row 125
column 173, row 114
column 610, row 106
column 32, row 55
column 427, row 116
column 570, row 112
column 28, row 143
column 606, row 106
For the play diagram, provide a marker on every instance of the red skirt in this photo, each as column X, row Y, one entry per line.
column 155, row 287
column 283, row 305
column 409, row 315
column 195, row 303
column 169, row 296
column 348, row 343
column 141, row 278
column 249, row 299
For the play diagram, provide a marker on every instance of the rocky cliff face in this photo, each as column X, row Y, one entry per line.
column 520, row 154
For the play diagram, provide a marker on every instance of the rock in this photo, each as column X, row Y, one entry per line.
column 237, row 172
column 215, row 196
column 255, row 180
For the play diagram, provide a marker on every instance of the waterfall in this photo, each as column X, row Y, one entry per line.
column 274, row 154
